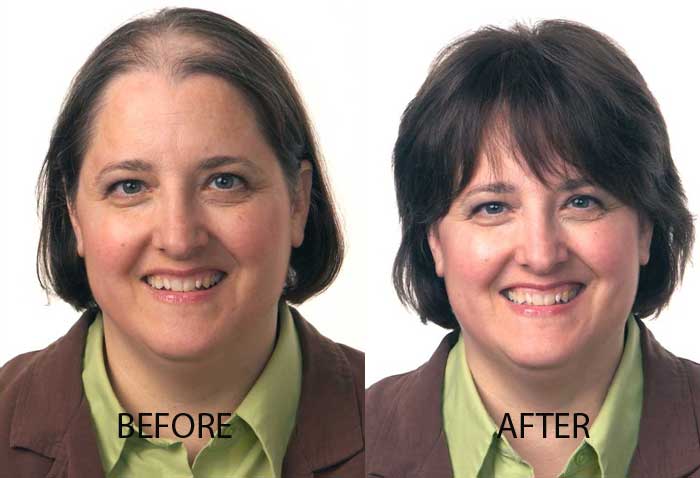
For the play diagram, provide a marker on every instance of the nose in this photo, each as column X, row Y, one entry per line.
column 178, row 229
column 541, row 245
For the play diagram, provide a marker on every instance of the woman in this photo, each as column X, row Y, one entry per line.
column 542, row 218
column 183, row 206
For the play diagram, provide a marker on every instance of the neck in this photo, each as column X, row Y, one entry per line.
column 576, row 390
column 145, row 382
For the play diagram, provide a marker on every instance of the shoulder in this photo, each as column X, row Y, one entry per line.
column 18, row 373
column 385, row 394
column 693, row 368
column 15, row 378
column 692, row 371
column 330, row 418
column 405, row 390
column 665, row 370
column 399, row 405
column 354, row 356
column 395, row 404
column 356, row 360
column 671, row 392
column 324, row 356
column 29, row 386
column 14, row 371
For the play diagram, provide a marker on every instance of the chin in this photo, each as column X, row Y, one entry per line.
column 182, row 347
column 540, row 359
column 539, row 353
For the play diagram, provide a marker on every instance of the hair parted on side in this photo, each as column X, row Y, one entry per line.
column 219, row 47
column 566, row 95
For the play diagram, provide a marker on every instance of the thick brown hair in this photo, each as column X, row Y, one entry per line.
column 227, row 50
column 565, row 92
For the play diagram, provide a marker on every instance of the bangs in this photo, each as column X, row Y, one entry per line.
column 524, row 101
column 530, row 147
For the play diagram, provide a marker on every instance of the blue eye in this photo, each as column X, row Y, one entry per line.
column 128, row 187
column 583, row 202
column 490, row 208
column 225, row 181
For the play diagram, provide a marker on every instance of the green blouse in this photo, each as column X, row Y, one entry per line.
column 472, row 437
column 260, row 427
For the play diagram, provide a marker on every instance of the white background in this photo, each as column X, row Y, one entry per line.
column 357, row 65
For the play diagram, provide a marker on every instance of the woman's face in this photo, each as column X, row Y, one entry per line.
column 183, row 215
column 538, row 277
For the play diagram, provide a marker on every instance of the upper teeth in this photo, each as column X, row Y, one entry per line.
column 185, row 284
column 530, row 298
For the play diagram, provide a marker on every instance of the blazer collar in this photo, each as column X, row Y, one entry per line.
column 412, row 438
column 329, row 427
column 52, row 416
column 668, row 445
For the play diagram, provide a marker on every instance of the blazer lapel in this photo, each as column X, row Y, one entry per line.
column 669, row 445
column 329, row 427
column 80, row 445
column 51, row 416
column 413, row 425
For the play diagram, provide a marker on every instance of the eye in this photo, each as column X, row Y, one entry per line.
column 128, row 187
column 225, row 181
column 490, row 208
column 583, row 202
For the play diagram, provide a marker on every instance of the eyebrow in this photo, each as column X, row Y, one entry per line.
column 496, row 188
column 501, row 187
column 139, row 165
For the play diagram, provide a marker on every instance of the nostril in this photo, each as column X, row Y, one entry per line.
column 542, row 257
column 178, row 229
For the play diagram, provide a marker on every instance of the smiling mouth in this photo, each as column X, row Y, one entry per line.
column 193, row 283
column 555, row 297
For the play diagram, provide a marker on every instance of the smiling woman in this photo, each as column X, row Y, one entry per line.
column 200, row 207
column 542, row 218
column 184, row 206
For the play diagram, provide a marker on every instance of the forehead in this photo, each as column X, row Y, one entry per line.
column 146, row 113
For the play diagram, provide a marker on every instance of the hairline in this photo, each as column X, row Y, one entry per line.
column 176, row 70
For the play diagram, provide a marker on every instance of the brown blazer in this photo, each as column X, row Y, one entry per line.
column 406, row 439
column 46, row 429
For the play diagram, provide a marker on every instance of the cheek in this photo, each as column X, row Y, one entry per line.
column 610, row 249
column 257, row 234
column 113, row 243
column 473, row 260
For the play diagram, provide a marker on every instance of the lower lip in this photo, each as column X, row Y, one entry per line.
column 543, row 310
column 190, row 297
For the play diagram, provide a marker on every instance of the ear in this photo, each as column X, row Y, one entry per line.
column 436, row 249
column 301, row 202
column 646, row 231
column 80, row 248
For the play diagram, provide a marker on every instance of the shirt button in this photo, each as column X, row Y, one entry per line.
column 581, row 457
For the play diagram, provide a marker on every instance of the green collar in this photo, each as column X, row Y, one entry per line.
column 269, row 409
column 476, row 450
